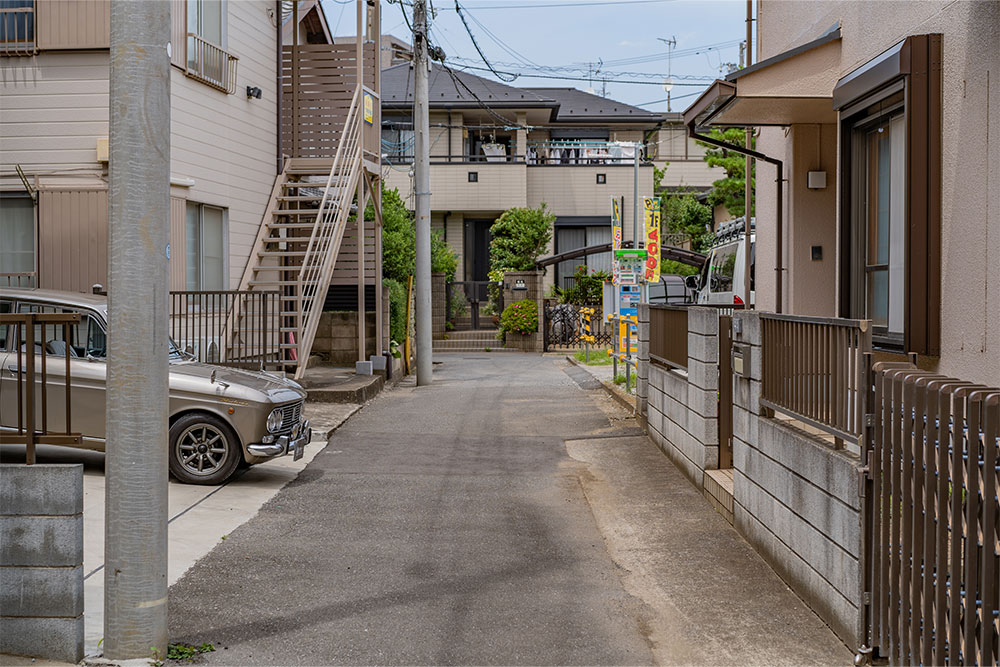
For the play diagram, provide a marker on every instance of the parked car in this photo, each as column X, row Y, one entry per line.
column 219, row 417
column 672, row 289
column 721, row 280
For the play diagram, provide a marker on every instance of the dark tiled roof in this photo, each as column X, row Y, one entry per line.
column 397, row 90
column 576, row 104
column 567, row 104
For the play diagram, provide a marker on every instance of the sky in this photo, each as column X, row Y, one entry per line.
column 525, row 37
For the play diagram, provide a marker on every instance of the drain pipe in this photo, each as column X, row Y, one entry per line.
column 779, row 183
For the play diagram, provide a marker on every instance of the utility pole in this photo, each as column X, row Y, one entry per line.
column 135, row 542
column 668, row 84
column 422, row 179
column 748, row 182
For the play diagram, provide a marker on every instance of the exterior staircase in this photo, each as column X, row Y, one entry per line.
column 297, row 246
column 470, row 341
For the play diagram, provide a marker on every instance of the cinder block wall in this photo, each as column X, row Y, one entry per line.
column 796, row 500
column 41, row 561
column 438, row 304
column 683, row 407
column 337, row 337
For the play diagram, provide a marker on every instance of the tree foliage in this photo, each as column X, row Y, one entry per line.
column 399, row 241
column 729, row 191
column 520, row 235
column 684, row 214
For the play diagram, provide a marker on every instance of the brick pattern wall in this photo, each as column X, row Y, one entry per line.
column 682, row 407
column 438, row 304
column 796, row 499
column 533, row 283
column 41, row 561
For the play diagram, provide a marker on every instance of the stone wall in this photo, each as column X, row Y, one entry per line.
column 41, row 561
column 682, row 406
column 533, row 291
column 796, row 499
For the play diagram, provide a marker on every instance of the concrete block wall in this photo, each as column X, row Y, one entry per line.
column 642, row 367
column 337, row 337
column 41, row 561
column 438, row 304
column 796, row 499
column 682, row 406
column 534, row 292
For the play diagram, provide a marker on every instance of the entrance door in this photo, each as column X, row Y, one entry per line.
column 477, row 249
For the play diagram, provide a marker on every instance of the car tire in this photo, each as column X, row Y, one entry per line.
column 203, row 450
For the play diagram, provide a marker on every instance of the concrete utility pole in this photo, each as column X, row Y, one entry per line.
column 422, row 179
column 748, row 182
column 135, row 542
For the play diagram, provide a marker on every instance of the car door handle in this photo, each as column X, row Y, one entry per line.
column 13, row 369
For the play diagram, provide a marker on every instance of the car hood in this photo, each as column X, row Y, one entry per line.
column 275, row 387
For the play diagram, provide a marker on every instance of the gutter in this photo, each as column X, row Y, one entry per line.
column 779, row 186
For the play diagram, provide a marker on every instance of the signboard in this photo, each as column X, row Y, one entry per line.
column 369, row 109
column 631, row 264
column 628, row 309
column 651, row 225
column 616, row 237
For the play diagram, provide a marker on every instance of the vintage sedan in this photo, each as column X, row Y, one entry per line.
column 220, row 417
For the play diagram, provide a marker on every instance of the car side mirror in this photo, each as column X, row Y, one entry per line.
column 691, row 282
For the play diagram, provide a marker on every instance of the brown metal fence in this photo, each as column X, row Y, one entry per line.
column 815, row 369
column 668, row 335
column 228, row 327
column 932, row 551
column 32, row 423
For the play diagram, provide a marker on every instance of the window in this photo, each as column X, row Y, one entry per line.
column 397, row 142
column 207, row 58
column 473, row 177
column 17, row 239
column 205, row 247
column 602, row 179
column 571, row 238
column 890, row 111
column 206, row 18
column 5, row 307
column 17, row 27
column 723, row 266
column 86, row 339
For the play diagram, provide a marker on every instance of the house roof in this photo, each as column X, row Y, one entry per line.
column 575, row 104
column 566, row 104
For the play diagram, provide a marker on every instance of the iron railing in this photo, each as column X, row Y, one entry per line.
column 563, row 327
column 18, row 279
column 668, row 335
column 815, row 369
column 230, row 327
column 932, row 553
column 211, row 64
column 17, row 31
column 32, row 425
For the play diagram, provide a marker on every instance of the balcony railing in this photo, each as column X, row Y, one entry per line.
column 17, row 31
column 22, row 279
column 816, row 370
column 228, row 327
column 211, row 64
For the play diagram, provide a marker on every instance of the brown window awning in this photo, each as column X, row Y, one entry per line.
column 795, row 86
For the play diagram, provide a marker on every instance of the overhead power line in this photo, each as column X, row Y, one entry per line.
column 699, row 84
column 599, row 3
column 504, row 76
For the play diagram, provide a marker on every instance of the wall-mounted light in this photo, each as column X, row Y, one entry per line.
column 253, row 92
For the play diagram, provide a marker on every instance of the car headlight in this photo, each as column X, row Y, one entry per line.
column 274, row 420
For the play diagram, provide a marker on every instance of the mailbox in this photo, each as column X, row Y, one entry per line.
column 741, row 359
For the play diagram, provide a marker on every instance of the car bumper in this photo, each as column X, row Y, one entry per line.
column 284, row 444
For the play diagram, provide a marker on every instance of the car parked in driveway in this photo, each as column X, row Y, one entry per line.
column 220, row 417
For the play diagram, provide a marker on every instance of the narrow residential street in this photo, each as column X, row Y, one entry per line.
column 511, row 513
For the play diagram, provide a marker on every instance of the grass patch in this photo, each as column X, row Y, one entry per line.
column 620, row 379
column 597, row 358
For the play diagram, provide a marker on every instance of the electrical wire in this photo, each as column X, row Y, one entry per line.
column 502, row 77
column 599, row 3
column 584, row 78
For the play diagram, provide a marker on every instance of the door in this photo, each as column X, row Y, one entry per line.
column 86, row 348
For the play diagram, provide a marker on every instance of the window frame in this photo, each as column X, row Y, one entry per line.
column 912, row 66
column 34, row 231
column 200, row 287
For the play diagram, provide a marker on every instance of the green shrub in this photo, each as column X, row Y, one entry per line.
column 588, row 288
column 397, row 309
column 519, row 317
column 399, row 241
column 519, row 236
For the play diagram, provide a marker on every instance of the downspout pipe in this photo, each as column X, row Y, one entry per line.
column 779, row 187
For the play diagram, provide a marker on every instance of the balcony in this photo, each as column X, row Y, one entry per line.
column 17, row 30
column 211, row 64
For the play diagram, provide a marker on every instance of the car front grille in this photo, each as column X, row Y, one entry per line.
column 291, row 414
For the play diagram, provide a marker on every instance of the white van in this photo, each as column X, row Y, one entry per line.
column 721, row 280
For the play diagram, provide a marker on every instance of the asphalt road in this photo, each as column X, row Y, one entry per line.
column 508, row 514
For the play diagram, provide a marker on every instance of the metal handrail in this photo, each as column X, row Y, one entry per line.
column 21, row 44
column 212, row 65
column 19, row 279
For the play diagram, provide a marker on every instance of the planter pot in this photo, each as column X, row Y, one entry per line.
column 523, row 342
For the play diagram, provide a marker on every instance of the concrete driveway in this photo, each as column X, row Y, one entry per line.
column 200, row 517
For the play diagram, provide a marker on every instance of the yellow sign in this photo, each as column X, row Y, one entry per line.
column 651, row 221
column 369, row 109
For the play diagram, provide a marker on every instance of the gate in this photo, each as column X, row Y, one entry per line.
column 466, row 300
column 563, row 327
column 931, row 554
column 725, row 391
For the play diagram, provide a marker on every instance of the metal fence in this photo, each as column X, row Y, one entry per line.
column 815, row 369
column 564, row 328
column 465, row 299
column 33, row 405
column 211, row 64
column 17, row 31
column 668, row 335
column 932, row 528
column 229, row 327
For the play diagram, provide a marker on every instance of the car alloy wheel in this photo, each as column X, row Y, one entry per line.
column 202, row 450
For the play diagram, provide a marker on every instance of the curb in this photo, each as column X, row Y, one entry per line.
column 626, row 400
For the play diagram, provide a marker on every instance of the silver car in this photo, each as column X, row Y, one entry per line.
column 219, row 417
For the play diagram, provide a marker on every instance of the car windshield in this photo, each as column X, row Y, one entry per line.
column 174, row 353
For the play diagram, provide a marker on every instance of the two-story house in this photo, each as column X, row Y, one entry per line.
column 494, row 147
column 246, row 101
